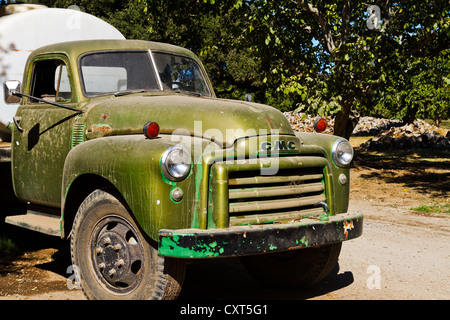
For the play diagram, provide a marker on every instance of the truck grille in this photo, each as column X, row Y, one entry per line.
column 286, row 197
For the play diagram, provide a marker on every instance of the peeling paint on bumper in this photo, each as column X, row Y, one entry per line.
column 245, row 240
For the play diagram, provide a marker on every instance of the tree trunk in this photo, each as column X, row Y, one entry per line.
column 346, row 120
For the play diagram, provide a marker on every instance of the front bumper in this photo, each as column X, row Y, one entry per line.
column 246, row 240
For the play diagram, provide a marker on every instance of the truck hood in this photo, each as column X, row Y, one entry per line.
column 222, row 121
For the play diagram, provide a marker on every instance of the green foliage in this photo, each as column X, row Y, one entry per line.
column 398, row 69
column 415, row 62
column 437, row 208
column 421, row 92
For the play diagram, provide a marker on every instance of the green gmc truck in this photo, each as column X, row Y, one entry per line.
column 122, row 147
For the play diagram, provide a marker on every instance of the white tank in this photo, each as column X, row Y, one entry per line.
column 23, row 32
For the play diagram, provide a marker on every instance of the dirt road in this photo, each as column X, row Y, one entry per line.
column 401, row 255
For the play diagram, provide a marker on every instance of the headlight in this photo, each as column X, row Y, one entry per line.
column 176, row 163
column 342, row 153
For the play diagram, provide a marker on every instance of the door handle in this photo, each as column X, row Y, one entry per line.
column 16, row 120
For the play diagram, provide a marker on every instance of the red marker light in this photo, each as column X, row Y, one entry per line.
column 320, row 125
column 151, row 130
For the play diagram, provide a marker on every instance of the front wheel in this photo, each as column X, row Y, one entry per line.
column 299, row 268
column 115, row 259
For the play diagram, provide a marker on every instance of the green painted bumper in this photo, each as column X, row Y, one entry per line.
column 245, row 240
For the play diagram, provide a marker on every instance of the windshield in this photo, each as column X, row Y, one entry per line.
column 111, row 72
column 123, row 72
column 180, row 73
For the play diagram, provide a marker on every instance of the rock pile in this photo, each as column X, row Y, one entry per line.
column 416, row 135
column 369, row 126
column 305, row 123
column 388, row 134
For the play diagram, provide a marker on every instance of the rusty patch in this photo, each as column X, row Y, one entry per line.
column 100, row 128
column 348, row 225
column 104, row 116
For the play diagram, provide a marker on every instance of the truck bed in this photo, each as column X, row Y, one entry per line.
column 5, row 151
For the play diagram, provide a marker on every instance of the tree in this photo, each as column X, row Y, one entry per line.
column 212, row 31
column 422, row 91
column 215, row 32
column 329, row 60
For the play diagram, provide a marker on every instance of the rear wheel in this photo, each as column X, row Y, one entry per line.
column 294, row 269
column 115, row 259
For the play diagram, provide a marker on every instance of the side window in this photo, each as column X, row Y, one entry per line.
column 50, row 81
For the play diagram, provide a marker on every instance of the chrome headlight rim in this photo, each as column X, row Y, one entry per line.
column 338, row 151
column 165, row 167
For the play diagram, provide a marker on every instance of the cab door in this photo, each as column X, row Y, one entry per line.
column 42, row 137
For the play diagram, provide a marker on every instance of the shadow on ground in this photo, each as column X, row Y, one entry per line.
column 425, row 170
column 227, row 279
column 221, row 279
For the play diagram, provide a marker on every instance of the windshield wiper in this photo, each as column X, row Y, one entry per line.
column 48, row 102
column 125, row 92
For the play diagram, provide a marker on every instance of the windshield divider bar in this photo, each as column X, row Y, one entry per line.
column 156, row 70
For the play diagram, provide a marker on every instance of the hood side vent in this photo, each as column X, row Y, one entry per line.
column 78, row 134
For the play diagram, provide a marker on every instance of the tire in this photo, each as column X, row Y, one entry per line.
column 115, row 259
column 294, row 269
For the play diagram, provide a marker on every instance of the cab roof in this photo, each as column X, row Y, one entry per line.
column 76, row 48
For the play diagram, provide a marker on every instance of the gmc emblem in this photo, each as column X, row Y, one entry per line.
column 278, row 145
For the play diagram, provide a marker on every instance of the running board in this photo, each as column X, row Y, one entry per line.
column 37, row 221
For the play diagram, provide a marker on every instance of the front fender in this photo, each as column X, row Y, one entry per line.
column 132, row 164
column 340, row 192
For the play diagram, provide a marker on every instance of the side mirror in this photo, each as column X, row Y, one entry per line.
column 9, row 88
